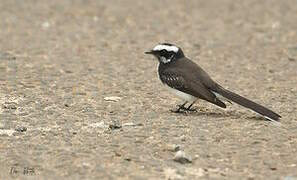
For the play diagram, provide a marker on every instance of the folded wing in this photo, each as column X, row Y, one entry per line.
column 175, row 79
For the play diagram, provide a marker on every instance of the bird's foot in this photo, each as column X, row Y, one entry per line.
column 183, row 109
column 191, row 109
column 180, row 109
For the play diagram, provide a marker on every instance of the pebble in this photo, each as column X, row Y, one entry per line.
column 173, row 147
column 115, row 125
column 291, row 59
column 95, row 18
column 113, row 98
column 10, row 106
column 45, row 25
column 21, row 129
column 182, row 158
column 98, row 125
column 127, row 159
column 132, row 124
column 183, row 138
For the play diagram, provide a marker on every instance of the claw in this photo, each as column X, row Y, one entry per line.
column 180, row 109
column 183, row 109
column 192, row 109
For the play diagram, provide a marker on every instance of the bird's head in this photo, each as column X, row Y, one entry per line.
column 166, row 52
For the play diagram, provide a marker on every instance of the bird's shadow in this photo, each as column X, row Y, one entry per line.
column 225, row 114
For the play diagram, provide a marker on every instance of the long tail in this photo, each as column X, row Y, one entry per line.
column 248, row 103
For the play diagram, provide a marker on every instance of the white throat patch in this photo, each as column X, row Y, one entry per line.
column 160, row 47
column 164, row 60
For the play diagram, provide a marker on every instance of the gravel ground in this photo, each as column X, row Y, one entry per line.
column 60, row 59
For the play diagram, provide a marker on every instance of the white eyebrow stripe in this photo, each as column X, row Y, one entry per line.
column 166, row 47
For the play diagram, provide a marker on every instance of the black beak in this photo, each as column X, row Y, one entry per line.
column 149, row 52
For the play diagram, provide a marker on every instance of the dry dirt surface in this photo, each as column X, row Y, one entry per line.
column 79, row 99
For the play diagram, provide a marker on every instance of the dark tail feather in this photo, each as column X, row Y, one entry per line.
column 248, row 104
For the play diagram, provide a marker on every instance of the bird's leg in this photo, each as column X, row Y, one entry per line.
column 180, row 107
column 189, row 108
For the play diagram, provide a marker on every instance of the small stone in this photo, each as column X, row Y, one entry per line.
column 183, row 138
column 292, row 53
column 45, row 25
column 197, row 46
column 132, row 124
column 98, row 125
column 129, row 124
column 173, row 147
column 291, row 59
column 127, row 159
column 113, row 98
column 117, row 154
column 7, row 56
column 95, row 18
column 275, row 25
column 9, row 106
column 271, row 71
column 115, row 125
column 68, row 71
column 21, row 129
column 85, row 164
column 182, row 158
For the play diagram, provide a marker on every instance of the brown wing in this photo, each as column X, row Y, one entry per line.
column 175, row 79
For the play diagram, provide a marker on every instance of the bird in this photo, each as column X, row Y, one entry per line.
column 188, row 81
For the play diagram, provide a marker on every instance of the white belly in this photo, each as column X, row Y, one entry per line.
column 184, row 96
